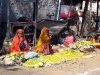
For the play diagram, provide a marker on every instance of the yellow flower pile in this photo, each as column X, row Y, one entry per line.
column 15, row 55
column 51, row 58
column 69, row 54
column 58, row 57
column 34, row 62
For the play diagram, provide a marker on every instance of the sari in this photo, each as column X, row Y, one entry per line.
column 16, row 42
column 43, row 43
column 68, row 40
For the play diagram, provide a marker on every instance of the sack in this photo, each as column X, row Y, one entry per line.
column 8, row 61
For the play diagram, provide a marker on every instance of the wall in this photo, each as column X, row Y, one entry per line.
column 45, row 7
column 22, row 8
column 4, row 13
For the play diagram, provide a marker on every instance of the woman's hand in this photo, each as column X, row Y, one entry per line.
column 66, row 44
column 26, row 48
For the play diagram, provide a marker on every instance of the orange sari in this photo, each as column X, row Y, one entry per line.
column 16, row 42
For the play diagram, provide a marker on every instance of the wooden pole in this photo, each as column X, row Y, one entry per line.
column 8, row 20
column 35, row 20
column 84, row 16
column 97, row 16
column 90, row 14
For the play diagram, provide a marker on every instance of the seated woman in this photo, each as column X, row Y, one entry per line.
column 91, row 37
column 70, row 38
column 43, row 43
column 19, row 43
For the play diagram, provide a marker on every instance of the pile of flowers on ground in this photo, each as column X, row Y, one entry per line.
column 59, row 57
column 40, row 59
column 33, row 59
column 81, row 43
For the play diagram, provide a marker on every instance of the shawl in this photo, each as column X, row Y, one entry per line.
column 43, row 38
column 16, row 41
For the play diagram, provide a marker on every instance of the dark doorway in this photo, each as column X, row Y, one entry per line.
column 68, row 2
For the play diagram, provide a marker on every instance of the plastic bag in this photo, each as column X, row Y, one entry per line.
column 8, row 61
column 30, row 55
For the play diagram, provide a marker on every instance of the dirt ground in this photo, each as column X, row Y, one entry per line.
column 81, row 66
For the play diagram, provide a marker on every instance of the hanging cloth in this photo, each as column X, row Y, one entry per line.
column 22, row 8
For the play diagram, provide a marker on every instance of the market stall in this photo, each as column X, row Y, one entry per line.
column 33, row 59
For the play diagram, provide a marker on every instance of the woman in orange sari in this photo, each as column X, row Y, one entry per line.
column 19, row 43
column 43, row 43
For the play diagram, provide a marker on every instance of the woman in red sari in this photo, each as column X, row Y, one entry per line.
column 19, row 43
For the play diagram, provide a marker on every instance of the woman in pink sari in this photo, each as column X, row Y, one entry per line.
column 70, row 38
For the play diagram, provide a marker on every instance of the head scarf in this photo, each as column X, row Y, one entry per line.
column 16, row 35
column 42, row 38
column 16, row 41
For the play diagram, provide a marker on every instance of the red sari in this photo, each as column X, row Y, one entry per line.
column 16, row 42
